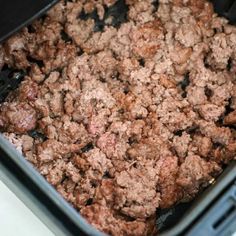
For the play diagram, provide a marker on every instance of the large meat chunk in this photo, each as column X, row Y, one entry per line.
column 170, row 191
column 146, row 39
column 136, row 191
column 18, row 117
column 108, row 222
column 195, row 172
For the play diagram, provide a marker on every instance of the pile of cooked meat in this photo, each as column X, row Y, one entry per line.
column 126, row 107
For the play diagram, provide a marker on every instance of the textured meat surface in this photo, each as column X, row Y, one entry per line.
column 124, row 113
column 18, row 117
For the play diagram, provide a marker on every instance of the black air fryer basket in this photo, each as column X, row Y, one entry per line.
column 212, row 213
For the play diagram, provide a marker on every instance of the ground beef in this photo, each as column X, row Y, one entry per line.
column 170, row 191
column 111, row 224
column 193, row 173
column 17, row 117
column 135, row 194
column 124, row 113
column 230, row 119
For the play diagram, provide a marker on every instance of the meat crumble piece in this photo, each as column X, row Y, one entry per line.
column 113, row 226
column 17, row 117
column 195, row 172
column 230, row 119
column 202, row 144
column 146, row 39
column 220, row 135
column 181, row 144
column 28, row 90
column 124, row 112
column 130, row 197
column 170, row 191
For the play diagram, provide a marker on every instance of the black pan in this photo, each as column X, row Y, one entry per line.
column 14, row 14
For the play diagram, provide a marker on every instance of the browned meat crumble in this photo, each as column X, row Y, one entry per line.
column 124, row 118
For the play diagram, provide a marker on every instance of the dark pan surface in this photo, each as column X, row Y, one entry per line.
column 9, row 80
column 14, row 14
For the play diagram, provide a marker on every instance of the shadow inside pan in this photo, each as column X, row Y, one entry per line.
column 167, row 218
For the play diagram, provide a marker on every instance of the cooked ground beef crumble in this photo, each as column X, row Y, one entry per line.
column 124, row 116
